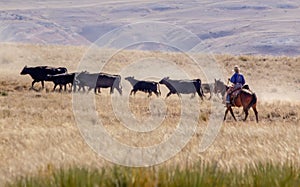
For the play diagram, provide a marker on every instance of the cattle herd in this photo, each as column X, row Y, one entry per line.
column 82, row 80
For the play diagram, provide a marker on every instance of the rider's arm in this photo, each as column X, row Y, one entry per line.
column 243, row 80
column 233, row 79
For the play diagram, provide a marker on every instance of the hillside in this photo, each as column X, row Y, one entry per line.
column 269, row 28
column 38, row 129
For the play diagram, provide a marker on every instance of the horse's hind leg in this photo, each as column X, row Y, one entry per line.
column 255, row 112
column 246, row 114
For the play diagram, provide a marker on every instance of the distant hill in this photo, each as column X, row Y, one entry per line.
column 235, row 27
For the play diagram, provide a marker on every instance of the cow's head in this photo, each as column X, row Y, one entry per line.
column 24, row 71
column 62, row 70
column 128, row 78
column 164, row 80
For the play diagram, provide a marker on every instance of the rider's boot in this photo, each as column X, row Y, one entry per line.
column 228, row 100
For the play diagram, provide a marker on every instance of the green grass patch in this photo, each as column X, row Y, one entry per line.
column 2, row 93
column 197, row 175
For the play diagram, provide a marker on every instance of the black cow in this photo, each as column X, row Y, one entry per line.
column 40, row 73
column 183, row 86
column 99, row 80
column 62, row 80
column 144, row 86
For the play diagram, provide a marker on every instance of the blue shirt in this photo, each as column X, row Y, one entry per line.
column 237, row 78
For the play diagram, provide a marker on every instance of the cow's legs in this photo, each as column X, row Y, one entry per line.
column 131, row 91
column 33, row 83
column 83, row 88
column 60, row 88
column 42, row 84
column 119, row 90
column 168, row 94
column 210, row 94
column 54, row 87
column 200, row 94
column 134, row 92
column 90, row 88
column 74, row 87
column 65, row 87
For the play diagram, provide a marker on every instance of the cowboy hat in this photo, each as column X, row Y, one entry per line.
column 236, row 67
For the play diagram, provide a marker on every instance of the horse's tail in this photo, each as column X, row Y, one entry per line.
column 253, row 101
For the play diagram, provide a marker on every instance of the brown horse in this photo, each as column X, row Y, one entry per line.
column 245, row 98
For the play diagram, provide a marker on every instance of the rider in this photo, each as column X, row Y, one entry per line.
column 238, row 81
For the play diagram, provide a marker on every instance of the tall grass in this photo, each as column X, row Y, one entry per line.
column 197, row 175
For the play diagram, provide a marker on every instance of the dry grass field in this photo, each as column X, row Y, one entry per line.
column 38, row 129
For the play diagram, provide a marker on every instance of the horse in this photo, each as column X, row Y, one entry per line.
column 245, row 98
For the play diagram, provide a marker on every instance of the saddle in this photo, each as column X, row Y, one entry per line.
column 234, row 95
column 237, row 91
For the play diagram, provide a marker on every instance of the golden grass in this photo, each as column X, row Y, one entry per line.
column 38, row 129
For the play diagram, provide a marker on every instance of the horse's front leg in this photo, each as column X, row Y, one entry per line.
column 231, row 112
column 226, row 111
column 246, row 114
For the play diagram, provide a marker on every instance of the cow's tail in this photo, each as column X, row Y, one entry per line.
column 158, row 88
column 118, row 84
column 200, row 87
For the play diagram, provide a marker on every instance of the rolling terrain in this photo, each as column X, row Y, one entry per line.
column 38, row 129
column 234, row 27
